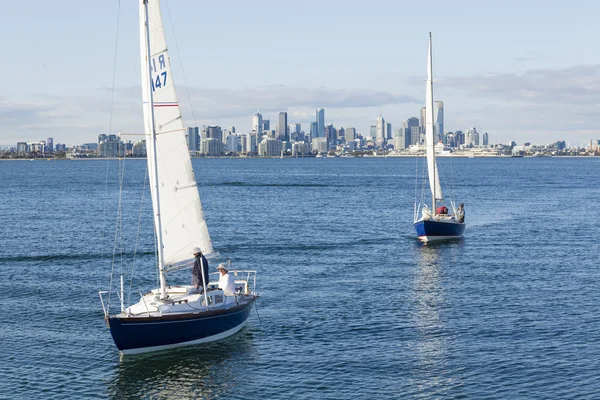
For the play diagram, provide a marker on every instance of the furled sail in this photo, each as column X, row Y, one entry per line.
column 430, row 141
column 181, row 215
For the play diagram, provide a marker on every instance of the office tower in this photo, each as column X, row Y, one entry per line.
column 350, row 134
column 214, row 132
column 388, row 131
column 422, row 120
column 282, row 128
column 193, row 139
column 294, row 130
column 400, row 137
column 372, row 132
column 438, row 120
column 380, row 131
column 314, row 128
column 414, row 130
column 257, row 124
column 226, row 134
column 50, row 145
column 330, row 135
column 110, row 146
column 320, row 123
column 459, row 138
column 266, row 125
column 472, row 137
column 486, row 140
column 340, row 135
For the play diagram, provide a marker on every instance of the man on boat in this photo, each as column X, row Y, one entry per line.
column 200, row 270
column 460, row 213
column 226, row 281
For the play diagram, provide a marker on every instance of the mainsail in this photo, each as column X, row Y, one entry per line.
column 430, row 142
column 181, row 217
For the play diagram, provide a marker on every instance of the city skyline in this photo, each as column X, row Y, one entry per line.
column 488, row 73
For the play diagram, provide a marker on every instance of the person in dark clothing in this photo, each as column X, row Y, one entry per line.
column 200, row 270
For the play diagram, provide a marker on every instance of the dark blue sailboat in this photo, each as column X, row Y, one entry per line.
column 434, row 223
column 173, row 316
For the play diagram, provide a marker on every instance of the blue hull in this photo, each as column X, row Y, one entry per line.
column 429, row 230
column 143, row 334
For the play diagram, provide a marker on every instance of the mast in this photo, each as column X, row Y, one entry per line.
column 429, row 122
column 157, row 218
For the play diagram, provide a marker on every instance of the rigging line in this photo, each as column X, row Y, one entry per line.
column 118, row 229
column 107, row 197
column 138, row 235
column 181, row 63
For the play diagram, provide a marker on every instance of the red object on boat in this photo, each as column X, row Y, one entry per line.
column 441, row 210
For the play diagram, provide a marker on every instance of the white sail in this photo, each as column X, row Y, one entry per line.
column 181, row 216
column 430, row 141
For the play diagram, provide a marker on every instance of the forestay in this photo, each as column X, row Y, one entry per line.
column 181, row 215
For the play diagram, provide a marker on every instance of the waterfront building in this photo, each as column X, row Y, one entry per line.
column 212, row 146
column 110, row 146
column 22, row 147
column 270, row 147
column 139, row 149
column 300, row 149
column 193, row 139
column 60, row 147
column 486, row 140
column 319, row 144
column 388, row 131
column 50, row 145
column 340, row 136
column 233, row 144
column 400, row 139
column 320, row 120
column 459, row 138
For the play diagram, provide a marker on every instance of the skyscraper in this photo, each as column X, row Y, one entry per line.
column 282, row 128
column 50, row 145
column 438, row 120
column 320, row 123
column 257, row 124
column 422, row 120
column 350, row 134
column 388, row 131
column 193, row 139
column 414, row 130
column 380, row 131
column 486, row 140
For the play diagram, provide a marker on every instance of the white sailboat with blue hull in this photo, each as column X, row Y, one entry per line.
column 434, row 223
column 173, row 316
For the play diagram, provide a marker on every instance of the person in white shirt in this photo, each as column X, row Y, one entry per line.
column 226, row 281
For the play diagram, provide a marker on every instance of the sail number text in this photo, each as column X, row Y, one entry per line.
column 160, row 78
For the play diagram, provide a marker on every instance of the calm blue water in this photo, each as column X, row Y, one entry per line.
column 352, row 306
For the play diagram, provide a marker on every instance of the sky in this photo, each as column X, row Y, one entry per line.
column 525, row 70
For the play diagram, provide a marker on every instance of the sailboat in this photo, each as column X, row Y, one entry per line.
column 174, row 316
column 434, row 223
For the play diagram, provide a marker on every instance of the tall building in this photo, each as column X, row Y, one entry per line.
column 388, row 131
column 486, row 140
column 330, row 135
column 414, row 130
column 110, row 146
column 214, row 132
column 380, row 131
column 257, row 124
column 400, row 138
column 193, row 139
column 438, row 120
column 459, row 138
column 350, row 134
column 282, row 127
column 320, row 123
column 266, row 125
column 314, row 129
column 422, row 119
column 50, row 145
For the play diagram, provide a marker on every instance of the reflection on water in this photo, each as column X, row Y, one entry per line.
column 432, row 341
column 202, row 371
